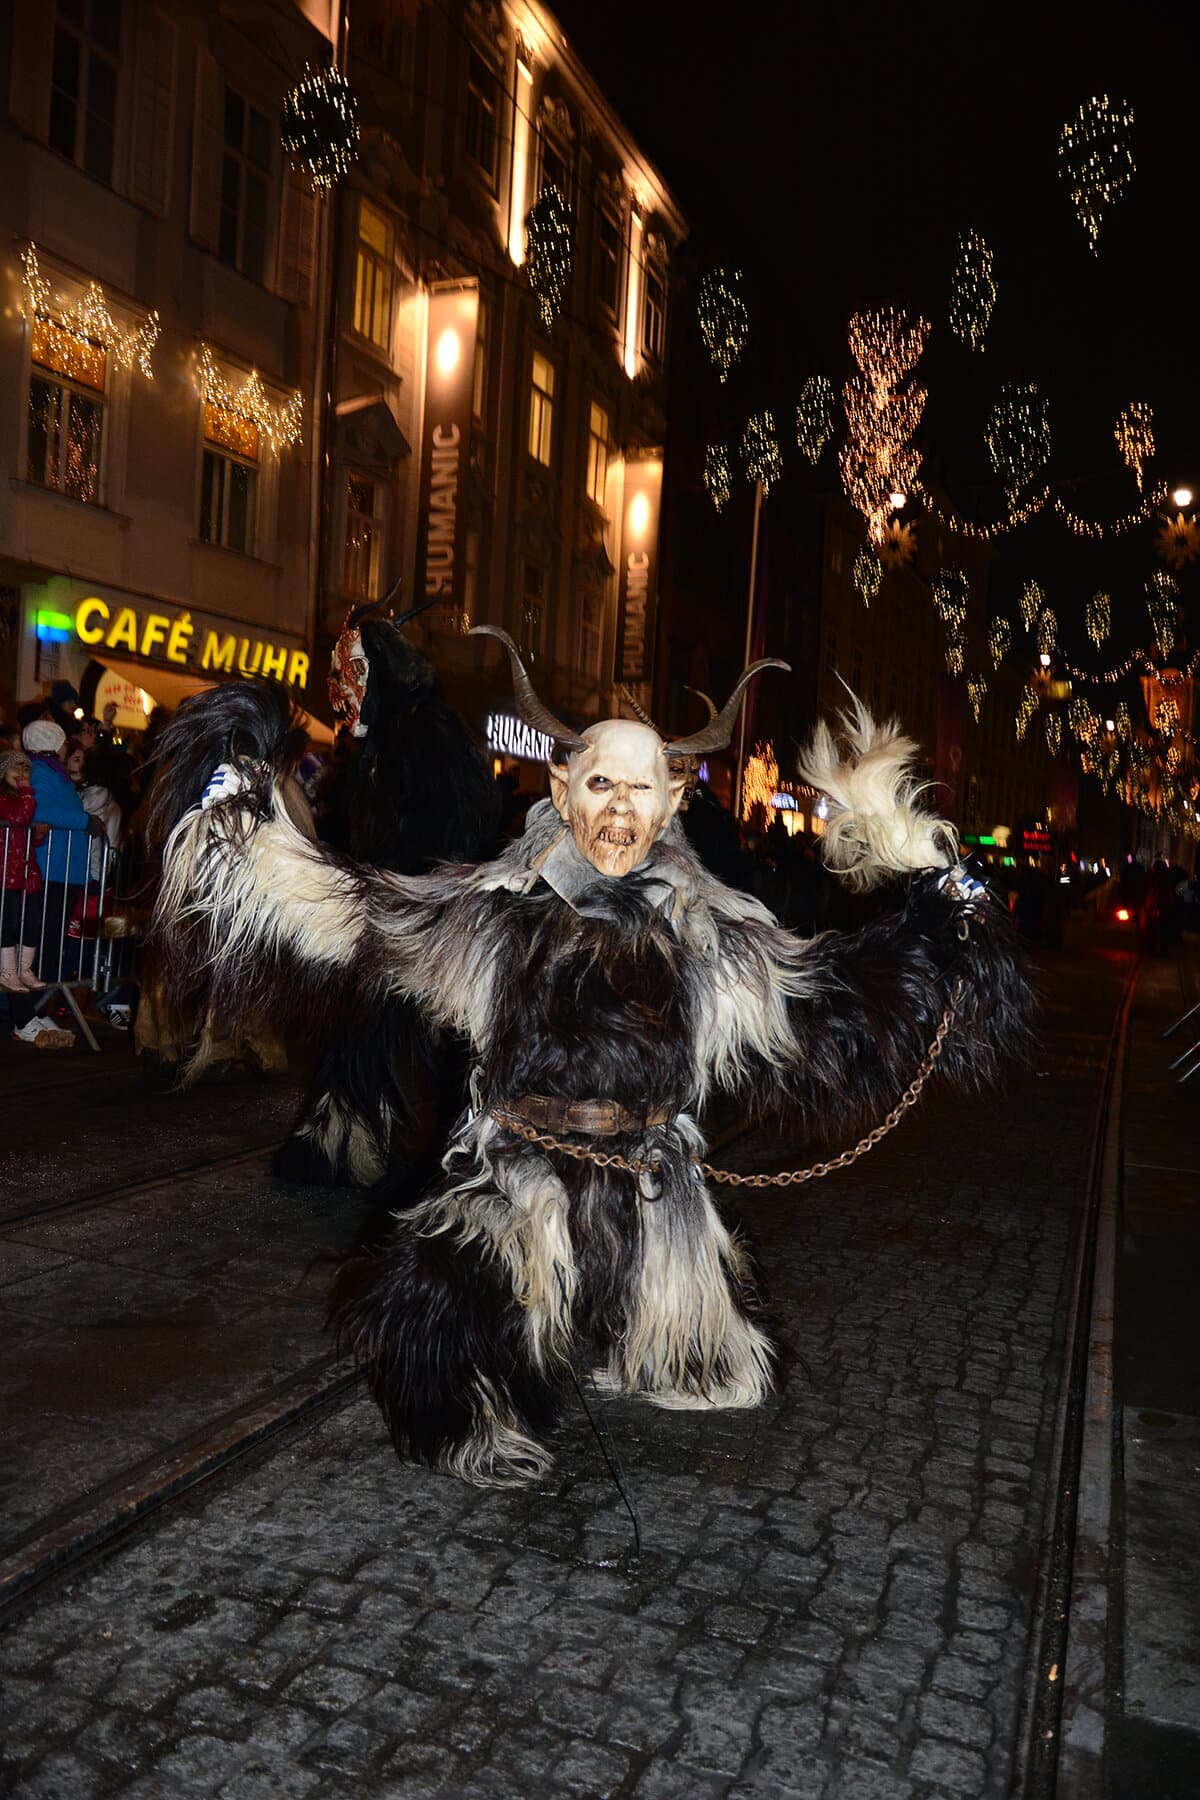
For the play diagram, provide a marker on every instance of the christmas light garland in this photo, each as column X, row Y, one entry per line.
column 951, row 593
column 760, row 449
column 1095, row 155
column 878, row 458
column 999, row 640
column 1099, row 618
column 972, row 290
column 318, row 126
column 718, row 475
column 80, row 324
column 724, row 318
column 814, row 416
column 281, row 425
column 548, row 251
column 1018, row 438
column 977, row 688
column 1134, row 433
column 1031, row 600
column 868, row 574
column 1162, row 603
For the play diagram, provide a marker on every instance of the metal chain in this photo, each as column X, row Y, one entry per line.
column 609, row 1159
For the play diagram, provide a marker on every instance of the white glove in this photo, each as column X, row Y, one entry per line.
column 960, row 884
column 224, row 782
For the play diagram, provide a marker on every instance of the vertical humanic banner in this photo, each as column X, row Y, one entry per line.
column 449, row 373
column 637, row 593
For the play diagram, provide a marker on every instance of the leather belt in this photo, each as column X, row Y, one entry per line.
column 593, row 1118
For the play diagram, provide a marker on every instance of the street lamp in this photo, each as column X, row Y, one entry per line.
column 1181, row 497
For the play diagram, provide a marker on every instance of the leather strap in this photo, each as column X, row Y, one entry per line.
column 592, row 1118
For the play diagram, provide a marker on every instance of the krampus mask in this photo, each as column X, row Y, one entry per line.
column 620, row 784
column 350, row 662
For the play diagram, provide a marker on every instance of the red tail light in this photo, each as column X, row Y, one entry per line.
column 1123, row 915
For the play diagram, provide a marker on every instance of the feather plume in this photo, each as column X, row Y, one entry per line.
column 875, row 829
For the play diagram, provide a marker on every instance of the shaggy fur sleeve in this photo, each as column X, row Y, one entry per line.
column 255, row 914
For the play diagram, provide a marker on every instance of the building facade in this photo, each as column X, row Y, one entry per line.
column 235, row 406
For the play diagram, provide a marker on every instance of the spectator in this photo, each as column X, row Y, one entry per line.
column 63, row 857
column 20, row 877
column 86, row 769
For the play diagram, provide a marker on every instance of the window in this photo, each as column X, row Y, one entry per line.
column 364, row 537
column 541, row 409
column 228, row 480
column 483, row 97
column 373, row 274
column 83, row 84
column 66, row 412
column 591, row 635
column 479, row 368
column 245, row 174
column 555, row 170
column 654, row 312
column 608, row 261
column 597, row 455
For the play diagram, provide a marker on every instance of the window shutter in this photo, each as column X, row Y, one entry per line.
column 207, row 141
column 29, row 84
column 153, row 110
column 297, row 240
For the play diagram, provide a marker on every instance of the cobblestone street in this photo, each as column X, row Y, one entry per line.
column 833, row 1595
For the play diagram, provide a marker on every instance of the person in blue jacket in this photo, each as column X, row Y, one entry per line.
column 62, row 855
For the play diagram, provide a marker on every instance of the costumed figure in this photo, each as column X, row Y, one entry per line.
column 414, row 791
column 607, row 983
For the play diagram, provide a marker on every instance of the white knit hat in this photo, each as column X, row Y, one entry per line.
column 43, row 735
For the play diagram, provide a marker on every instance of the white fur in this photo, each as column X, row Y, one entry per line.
column 875, row 827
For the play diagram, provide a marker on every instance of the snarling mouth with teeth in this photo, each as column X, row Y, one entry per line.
column 617, row 834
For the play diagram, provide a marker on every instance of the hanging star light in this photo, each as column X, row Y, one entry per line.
column 1031, row 601
column 814, row 416
column 281, row 426
column 899, row 545
column 976, row 692
column 718, row 475
column 724, row 318
column 760, row 449
column 1018, row 438
column 1178, row 540
column 73, row 336
column 1099, row 618
column 1134, row 432
column 548, row 251
column 1095, row 159
column 877, row 459
column 972, row 290
column 1162, row 595
column 318, row 126
column 1047, row 632
column 868, row 574
column 1053, row 732
column 999, row 640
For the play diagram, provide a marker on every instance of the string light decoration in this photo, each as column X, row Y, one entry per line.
column 760, row 780
column 1178, row 540
column 760, row 449
column 718, row 475
column 1027, row 705
column 1098, row 529
column 1082, row 719
column 1134, row 432
column 318, row 126
column 899, row 545
column 868, row 574
column 1167, row 719
column 1053, row 732
column 951, row 593
column 999, row 640
column 976, row 693
column 969, row 528
column 1018, row 438
column 1121, row 720
column 1095, row 159
column 1099, row 618
column 71, row 330
column 724, row 318
column 548, row 251
column 878, row 459
column 1162, row 596
column 972, row 290
column 814, row 416
column 1031, row 601
column 1047, row 632
column 281, row 426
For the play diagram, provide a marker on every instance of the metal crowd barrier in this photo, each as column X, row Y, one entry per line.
column 80, row 928
column 1191, row 1056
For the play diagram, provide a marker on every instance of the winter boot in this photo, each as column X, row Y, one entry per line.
column 10, row 981
column 27, row 979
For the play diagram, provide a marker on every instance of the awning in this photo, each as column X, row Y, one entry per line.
column 169, row 686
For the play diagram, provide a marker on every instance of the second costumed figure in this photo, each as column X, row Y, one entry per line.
column 607, row 983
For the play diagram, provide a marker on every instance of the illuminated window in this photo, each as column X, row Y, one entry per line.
column 654, row 312
column 555, row 169
column 66, row 411
column 541, row 409
column 83, row 84
column 364, row 538
column 228, row 479
column 597, row 455
column 591, row 635
column 479, row 369
column 373, row 274
column 245, row 176
column 483, row 100
column 608, row 261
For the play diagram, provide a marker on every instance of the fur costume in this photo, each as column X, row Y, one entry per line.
column 389, row 1084
column 648, row 989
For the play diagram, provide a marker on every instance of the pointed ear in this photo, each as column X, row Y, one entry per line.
column 558, row 787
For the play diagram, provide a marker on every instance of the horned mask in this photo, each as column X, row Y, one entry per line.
column 620, row 784
column 350, row 666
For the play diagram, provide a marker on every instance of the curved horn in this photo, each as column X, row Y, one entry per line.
column 640, row 711
column 529, row 706
column 413, row 611
column 708, row 701
column 717, row 733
